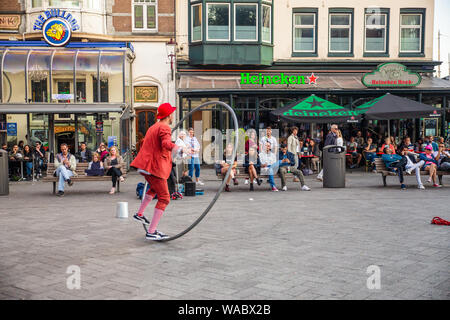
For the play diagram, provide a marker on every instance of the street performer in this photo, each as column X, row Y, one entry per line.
column 154, row 162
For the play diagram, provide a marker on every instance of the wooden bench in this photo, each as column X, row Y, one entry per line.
column 80, row 175
column 242, row 175
column 381, row 168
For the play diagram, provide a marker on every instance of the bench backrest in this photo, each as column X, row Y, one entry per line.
column 380, row 165
column 79, row 169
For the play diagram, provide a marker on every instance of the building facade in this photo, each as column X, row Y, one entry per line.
column 85, row 70
column 229, row 50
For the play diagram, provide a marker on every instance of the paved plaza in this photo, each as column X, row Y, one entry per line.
column 260, row 245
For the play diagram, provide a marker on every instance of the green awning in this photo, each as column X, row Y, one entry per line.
column 316, row 110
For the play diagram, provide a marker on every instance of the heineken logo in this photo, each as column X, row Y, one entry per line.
column 281, row 78
column 391, row 74
column 328, row 113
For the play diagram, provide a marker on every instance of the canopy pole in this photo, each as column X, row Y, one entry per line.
column 389, row 129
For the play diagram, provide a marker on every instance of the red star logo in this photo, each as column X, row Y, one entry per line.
column 312, row 79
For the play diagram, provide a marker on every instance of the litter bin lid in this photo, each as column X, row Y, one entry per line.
column 334, row 149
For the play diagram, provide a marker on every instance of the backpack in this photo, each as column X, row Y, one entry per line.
column 140, row 189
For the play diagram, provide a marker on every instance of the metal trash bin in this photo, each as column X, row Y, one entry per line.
column 334, row 166
column 4, row 178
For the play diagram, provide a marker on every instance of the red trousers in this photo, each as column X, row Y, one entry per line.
column 159, row 187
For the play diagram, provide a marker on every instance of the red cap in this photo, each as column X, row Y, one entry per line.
column 165, row 110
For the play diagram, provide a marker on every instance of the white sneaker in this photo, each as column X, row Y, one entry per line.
column 200, row 183
column 246, row 181
column 319, row 178
column 255, row 181
column 306, row 188
column 421, row 186
column 284, row 188
column 429, row 180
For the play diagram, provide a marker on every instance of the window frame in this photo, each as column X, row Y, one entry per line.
column 350, row 32
column 270, row 21
column 421, row 30
column 255, row 4
column 47, row 2
column 228, row 4
column 145, row 17
column 313, row 27
column 192, row 22
column 376, row 26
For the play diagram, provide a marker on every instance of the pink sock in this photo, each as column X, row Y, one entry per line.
column 156, row 217
column 144, row 204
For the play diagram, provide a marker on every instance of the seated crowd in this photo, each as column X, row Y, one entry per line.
column 424, row 155
column 267, row 158
column 22, row 159
column 301, row 156
column 100, row 162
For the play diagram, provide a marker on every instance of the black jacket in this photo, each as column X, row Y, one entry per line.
column 330, row 140
column 88, row 155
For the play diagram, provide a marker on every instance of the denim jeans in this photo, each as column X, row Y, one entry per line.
column 194, row 163
column 29, row 167
column 64, row 174
column 370, row 156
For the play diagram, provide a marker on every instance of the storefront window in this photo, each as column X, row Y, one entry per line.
column 14, row 76
column 62, row 76
column 38, row 76
column 86, row 68
column 218, row 27
column 245, row 22
column 111, row 76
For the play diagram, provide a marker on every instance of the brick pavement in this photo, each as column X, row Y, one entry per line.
column 285, row 245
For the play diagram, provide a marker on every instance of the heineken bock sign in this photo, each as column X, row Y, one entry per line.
column 391, row 74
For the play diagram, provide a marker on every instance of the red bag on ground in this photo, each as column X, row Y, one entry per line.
column 440, row 221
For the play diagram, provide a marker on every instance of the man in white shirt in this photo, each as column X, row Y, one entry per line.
column 269, row 139
column 268, row 164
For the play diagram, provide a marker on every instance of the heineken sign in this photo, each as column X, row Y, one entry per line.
column 281, row 78
column 391, row 74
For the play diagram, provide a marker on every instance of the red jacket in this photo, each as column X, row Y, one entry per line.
column 155, row 155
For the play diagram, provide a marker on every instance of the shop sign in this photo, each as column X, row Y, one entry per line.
column 391, row 74
column 99, row 126
column 112, row 141
column 11, row 128
column 57, row 26
column 62, row 129
column 9, row 21
column 146, row 94
column 281, row 78
column 56, row 13
column 62, row 96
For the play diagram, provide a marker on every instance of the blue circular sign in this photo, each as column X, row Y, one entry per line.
column 57, row 32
